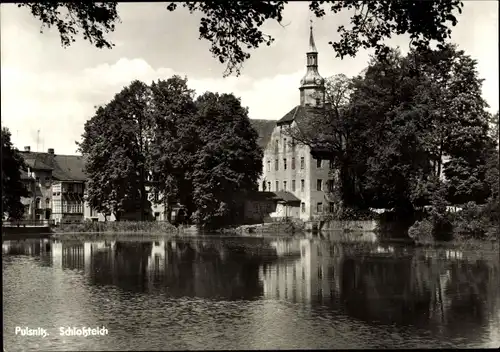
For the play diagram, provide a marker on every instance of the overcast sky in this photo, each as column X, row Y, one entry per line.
column 54, row 90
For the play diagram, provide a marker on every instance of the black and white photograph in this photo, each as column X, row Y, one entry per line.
column 250, row 175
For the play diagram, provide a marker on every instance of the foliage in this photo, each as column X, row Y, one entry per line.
column 442, row 227
column 156, row 140
column 174, row 146
column 93, row 19
column 228, row 161
column 116, row 144
column 390, row 135
column 421, row 231
column 117, row 226
column 12, row 186
column 235, row 27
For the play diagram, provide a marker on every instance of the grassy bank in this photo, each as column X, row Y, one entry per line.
column 130, row 227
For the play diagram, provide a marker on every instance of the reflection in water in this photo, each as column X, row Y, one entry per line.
column 256, row 293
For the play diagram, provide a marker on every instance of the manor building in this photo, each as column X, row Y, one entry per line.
column 304, row 182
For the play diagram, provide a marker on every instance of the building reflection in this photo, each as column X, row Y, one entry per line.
column 314, row 275
column 382, row 284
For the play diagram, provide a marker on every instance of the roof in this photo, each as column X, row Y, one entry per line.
column 302, row 114
column 287, row 197
column 264, row 129
column 63, row 167
column 283, row 196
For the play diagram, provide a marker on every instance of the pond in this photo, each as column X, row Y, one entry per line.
column 208, row 293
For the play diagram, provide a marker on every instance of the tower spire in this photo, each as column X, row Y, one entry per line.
column 312, row 45
column 312, row 86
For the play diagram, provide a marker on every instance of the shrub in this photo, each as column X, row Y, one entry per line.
column 118, row 226
column 421, row 231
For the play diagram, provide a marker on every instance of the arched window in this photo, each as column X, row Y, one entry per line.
column 47, row 203
column 37, row 203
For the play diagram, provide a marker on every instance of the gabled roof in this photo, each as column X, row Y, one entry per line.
column 63, row 167
column 302, row 114
column 264, row 129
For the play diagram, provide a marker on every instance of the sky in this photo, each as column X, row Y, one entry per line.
column 54, row 90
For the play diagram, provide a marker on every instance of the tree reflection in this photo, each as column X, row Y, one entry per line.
column 448, row 292
column 179, row 268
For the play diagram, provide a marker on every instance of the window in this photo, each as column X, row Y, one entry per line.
column 302, row 185
column 302, row 162
column 269, row 165
column 293, row 163
column 276, row 146
column 269, row 186
column 319, row 185
column 284, row 145
column 293, row 185
column 263, row 186
column 332, row 207
column 303, row 207
column 277, row 185
column 47, row 203
column 318, row 163
column 320, row 207
column 284, row 164
column 37, row 203
column 276, row 164
column 284, row 186
column 293, row 145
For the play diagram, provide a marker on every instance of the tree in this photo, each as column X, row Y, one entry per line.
column 228, row 162
column 93, row 19
column 234, row 27
column 175, row 143
column 12, row 186
column 401, row 118
column 116, row 144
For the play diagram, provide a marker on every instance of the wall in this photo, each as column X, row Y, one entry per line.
column 363, row 226
column 285, row 151
column 258, row 211
column 42, row 190
column 310, row 174
column 59, row 212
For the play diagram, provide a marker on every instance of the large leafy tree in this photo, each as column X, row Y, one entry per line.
column 234, row 27
column 175, row 143
column 116, row 144
column 228, row 161
column 403, row 117
column 12, row 186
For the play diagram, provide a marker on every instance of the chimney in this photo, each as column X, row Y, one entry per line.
column 50, row 151
column 27, row 148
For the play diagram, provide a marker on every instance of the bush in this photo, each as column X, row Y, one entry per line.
column 421, row 231
column 118, row 226
column 476, row 221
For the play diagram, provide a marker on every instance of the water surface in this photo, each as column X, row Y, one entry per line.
column 253, row 293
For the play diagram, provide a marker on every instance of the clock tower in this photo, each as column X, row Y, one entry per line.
column 312, row 86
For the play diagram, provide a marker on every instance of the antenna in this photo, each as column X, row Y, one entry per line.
column 37, row 139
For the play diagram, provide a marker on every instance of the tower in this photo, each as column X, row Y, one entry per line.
column 312, row 86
